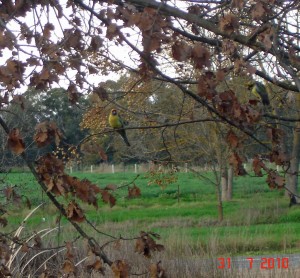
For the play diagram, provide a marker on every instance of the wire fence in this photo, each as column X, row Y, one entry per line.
column 145, row 167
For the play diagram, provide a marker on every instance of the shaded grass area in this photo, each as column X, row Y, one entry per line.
column 257, row 220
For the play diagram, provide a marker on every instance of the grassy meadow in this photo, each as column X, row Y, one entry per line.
column 256, row 221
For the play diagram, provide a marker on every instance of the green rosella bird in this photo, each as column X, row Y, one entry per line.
column 259, row 90
column 118, row 123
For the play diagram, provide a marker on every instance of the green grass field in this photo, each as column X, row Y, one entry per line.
column 256, row 221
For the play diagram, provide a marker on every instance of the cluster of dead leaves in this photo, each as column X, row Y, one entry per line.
column 69, row 264
column 156, row 271
column 229, row 106
column 51, row 172
column 14, row 142
column 46, row 132
column 277, row 154
column 199, row 54
column 120, row 269
column 134, row 192
column 260, row 10
column 11, row 195
column 11, row 74
column 229, row 24
column 161, row 176
column 274, row 180
column 237, row 162
column 94, row 263
column 146, row 244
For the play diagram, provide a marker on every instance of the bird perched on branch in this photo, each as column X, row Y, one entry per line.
column 259, row 90
column 117, row 123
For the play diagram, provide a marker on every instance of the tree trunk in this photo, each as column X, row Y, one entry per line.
column 220, row 204
column 294, row 163
column 229, row 182
column 224, row 184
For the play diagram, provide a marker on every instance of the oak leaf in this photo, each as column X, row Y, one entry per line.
column 156, row 271
column 74, row 212
column 181, row 51
column 68, row 266
column 134, row 192
column 274, row 180
column 229, row 24
column 259, row 11
column 14, row 142
column 120, row 269
column 200, row 56
column 108, row 198
column 232, row 139
column 145, row 244
column 94, row 262
column 236, row 161
column 257, row 165
column 46, row 132
column 25, row 247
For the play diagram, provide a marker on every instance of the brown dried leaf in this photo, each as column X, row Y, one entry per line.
column 46, row 132
column 108, row 198
column 83, row 189
column 266, row 38
column 181, row 51
column 37, row 241
column 73, row 94
column 232, row 139
column 156, row 271
column 111, row 31
column 200, row 56
column 68, row 266
column 236, row 161
column 258, row 11
column 279, row 157
column 229, row 24
column 69, row 254
column 145, row 244
column 103, row 155
column 220, row 75
column 94, row 262
column 48, row 27
column 32, row 61
column 151, row 42
column 207, row 85
column 74, row 212
column 120, row 269
column 229, row 48
column 25, row 248
column 14, row 142
column 8, row 192
column 96, row 43
column 257, row 165
column 274, row 180
column 134, row 192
